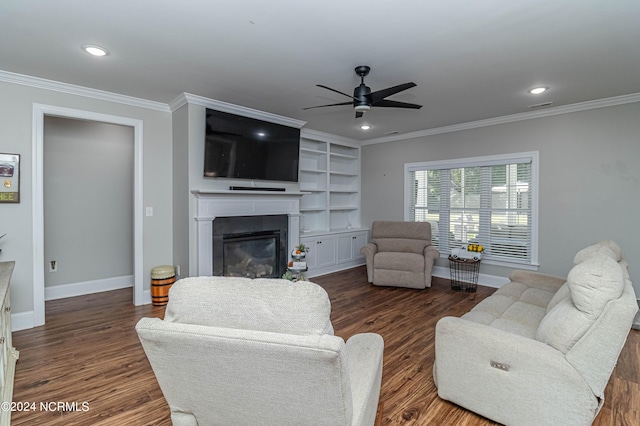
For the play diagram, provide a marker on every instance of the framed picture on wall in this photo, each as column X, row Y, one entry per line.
column 10, row 178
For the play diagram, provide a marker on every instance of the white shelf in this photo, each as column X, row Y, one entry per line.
column 340, row 208
column 312, row 170
column 355, row 157
column 312, row 151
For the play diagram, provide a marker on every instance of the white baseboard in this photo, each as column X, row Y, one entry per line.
column 22, row 321
column 87, row 287
column 486, row 280
column 146, row 297
column 333, row 268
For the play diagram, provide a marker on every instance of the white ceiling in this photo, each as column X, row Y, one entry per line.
column 472, row 60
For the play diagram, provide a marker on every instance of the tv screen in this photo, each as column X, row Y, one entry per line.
column 246, row 148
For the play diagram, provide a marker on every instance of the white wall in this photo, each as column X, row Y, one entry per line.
column 16, row 111
column 88, row 201
column 589, row 178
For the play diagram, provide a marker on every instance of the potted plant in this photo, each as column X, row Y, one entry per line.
column 299, row 251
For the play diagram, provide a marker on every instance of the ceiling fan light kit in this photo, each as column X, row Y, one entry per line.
column 364, row 99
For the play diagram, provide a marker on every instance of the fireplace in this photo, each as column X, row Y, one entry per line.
column 214, row 204
column 250, row 246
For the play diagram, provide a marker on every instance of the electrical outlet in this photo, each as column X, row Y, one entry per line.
column 53, row 266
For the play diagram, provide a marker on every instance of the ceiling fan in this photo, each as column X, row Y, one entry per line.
column 364, row 99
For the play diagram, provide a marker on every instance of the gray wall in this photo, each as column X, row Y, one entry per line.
column 88, row 200
column 589, row 178
column 16, row 118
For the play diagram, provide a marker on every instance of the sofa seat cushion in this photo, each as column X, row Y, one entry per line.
column 409, row 262
column 515, row 307
column 592, row 284
column 262, row 304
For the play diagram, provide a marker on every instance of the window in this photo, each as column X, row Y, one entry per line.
column 490, row 201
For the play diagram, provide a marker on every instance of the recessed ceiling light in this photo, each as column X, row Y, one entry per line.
column 95, row 50
column 538, row 90
column 365, row 127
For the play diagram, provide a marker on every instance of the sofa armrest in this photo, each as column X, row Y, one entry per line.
column 369, row 250
column 509, row 378
column 365, row 353
column 538, row 280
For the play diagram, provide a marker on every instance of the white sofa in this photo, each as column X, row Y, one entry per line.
column 236, row 351
column 541, row 349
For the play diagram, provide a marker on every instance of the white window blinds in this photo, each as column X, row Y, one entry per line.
column 487, row 200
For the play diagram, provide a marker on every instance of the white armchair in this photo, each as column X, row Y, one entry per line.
column 236, row 351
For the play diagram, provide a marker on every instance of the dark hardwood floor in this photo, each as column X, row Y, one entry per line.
column 88, row 351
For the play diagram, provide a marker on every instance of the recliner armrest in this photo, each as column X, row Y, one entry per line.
column 369, row 250
column 365, row 353
column 430, row 252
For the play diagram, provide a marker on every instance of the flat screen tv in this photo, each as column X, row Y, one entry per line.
column 239, row 147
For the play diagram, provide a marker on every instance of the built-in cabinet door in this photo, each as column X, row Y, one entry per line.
column 5, row 338
column 349, row 246
column 322, row 251
column 359, row 240
column 345, row 251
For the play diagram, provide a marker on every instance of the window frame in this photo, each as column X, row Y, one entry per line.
column 486, row 161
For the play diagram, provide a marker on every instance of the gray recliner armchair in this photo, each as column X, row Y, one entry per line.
column 400, row 254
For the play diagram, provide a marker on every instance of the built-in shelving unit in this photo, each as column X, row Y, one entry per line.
column 330, row 207
column 330, row 173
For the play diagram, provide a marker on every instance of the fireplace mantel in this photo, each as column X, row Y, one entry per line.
column 225, row 203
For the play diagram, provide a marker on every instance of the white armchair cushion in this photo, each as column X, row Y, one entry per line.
column 272, row 305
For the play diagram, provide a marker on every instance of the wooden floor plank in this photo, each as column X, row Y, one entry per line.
column 88, row 351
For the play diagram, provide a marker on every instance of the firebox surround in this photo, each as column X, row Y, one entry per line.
column 227, row 203
column 250, row 246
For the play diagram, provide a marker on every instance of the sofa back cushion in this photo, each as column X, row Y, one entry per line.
column 592, row 284
column 560, row 295
column 408, row 237
column 262, row 304
column 601, row 248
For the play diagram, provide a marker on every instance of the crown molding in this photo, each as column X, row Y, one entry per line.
column 328, row 137
column 566, row 109
column 234, row 109
column 56, row 86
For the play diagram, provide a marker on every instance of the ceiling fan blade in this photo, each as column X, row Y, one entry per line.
column 359, row 114
column 320, row 106
column 395, row 104
column 337, row 91
column 379, row 95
